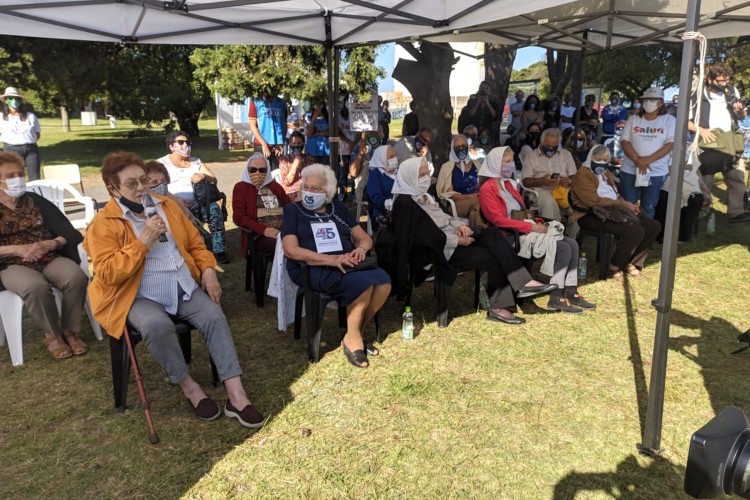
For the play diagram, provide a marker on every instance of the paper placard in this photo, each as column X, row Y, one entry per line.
column 363, row 115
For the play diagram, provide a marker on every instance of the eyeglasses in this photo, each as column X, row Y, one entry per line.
column 313, row 189
column 132, row 184
column 182, row 142
column 255, row 170
column 423, row 140
column 723, row 81
column 153, row 182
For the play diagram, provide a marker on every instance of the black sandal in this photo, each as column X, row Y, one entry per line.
column 371, row 349
column 356, row 358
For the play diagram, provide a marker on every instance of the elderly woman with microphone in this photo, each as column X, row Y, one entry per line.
column 151, row 264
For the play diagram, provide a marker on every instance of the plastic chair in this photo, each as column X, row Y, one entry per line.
column 121, row 360
column 315, row 306
column 256, row 268
column 11, row 315
column 56, row 192
column 69, row 173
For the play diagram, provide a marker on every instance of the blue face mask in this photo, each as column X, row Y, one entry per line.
column 548, row 151
column 484, row 140
column 313, row 201
column 462, row 153
column 599, row 167
column 296, row 150
column 160, row 189
column 614, row 101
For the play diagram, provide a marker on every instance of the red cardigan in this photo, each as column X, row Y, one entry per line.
column 495, row 210
column 245, row 209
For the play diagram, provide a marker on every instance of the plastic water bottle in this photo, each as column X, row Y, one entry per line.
column 711, row 223
column 582, row 266
column 484, row 299
column 407, row 327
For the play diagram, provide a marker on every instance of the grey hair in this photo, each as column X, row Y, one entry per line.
column 550, row 132
column 469, row 127
column 599, row 151
column 322, row 172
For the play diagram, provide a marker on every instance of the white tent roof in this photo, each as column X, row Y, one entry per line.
column 609, row 23
column 282, row 22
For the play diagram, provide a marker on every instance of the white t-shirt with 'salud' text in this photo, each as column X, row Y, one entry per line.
column 647, row 137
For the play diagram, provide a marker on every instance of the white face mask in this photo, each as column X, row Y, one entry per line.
column 650, row 106
column 507, row 169
column 313, row 201
column 15, row 187
column 392, row 167
column 423, row 184
column 182, row 150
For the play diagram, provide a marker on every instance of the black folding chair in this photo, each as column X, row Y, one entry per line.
column 256, row 268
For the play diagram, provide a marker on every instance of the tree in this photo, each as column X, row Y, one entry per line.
column 239, row 71
column 153, row 82
column 562, row 68
column 428, row 80
column 632, row 70
column 498, row 67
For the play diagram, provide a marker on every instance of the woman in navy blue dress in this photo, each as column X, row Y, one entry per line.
column 320, row 231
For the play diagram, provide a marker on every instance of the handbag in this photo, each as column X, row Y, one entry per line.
column 367, row 263
column 560, row 194
column 206, row 192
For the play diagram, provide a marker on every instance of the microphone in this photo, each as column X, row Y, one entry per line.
column 150, row 208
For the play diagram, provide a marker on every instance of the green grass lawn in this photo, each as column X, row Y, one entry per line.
column 550, row 409
column 87, row 145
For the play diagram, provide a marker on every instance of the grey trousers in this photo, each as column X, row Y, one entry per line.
column 158, row 332
column 35, row 288
column 734, row 178
column 566, row 263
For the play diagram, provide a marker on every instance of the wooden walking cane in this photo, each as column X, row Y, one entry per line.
column 152, row 436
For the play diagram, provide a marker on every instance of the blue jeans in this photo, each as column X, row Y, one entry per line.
column 648, row 196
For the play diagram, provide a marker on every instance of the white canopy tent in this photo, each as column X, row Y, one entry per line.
column 277, row 22
column 558, row 24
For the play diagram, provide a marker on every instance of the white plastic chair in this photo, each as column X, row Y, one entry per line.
column 56, row 192
column 11, row 315
column 69, row 173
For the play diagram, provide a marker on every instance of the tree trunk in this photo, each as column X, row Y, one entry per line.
column 498, row 65
column 428, row 81
column 189, row 124
column 65, row 119
column 562, row 67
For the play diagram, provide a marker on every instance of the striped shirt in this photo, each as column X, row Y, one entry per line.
column 166, row 274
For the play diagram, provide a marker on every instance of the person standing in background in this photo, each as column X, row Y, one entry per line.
column 611, row 114
column 20, row 131
column 385, row 122
column 267, row 121
column 411, row 121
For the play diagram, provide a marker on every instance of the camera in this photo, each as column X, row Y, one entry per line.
column 482, row 93
column 719, row 458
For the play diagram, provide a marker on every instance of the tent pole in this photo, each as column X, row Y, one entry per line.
column 579, row 93
column 663, row 304
column 333, row 113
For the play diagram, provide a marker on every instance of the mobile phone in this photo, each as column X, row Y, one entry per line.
column 555, row 176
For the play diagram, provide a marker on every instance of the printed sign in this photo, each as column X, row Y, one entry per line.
column 326, row 236
column 363, row 115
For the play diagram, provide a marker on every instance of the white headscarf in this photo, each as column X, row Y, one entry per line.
column 452, row 156
column 380, row 160
column 246, row 175
column 492, row 167
column 407, row 180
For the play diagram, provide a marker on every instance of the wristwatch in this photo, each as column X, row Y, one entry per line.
column 58, row 243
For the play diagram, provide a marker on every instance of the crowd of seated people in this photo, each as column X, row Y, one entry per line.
column 150, row 269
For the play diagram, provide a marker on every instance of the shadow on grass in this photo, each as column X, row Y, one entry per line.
column 630, row 480
column 716, row 354
column 639, row 375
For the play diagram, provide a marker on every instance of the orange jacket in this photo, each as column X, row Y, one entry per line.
column 119, row 259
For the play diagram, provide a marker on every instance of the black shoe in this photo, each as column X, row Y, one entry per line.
column 745, row 337
column 356, row 358
column 578, row 301
column 740, row 218
column 222, row 257
column 563, row 305
column 248, row 416
column 513, row 320
column 206, row 410
column 533, row 291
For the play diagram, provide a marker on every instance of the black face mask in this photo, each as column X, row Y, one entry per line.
column 296, row 150
column 599, row 167
column 134, row 207
column 718, row 88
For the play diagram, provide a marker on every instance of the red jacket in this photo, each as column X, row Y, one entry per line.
column 245, row 208
column 495, row 210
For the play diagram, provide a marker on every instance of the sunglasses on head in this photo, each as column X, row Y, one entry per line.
column 255, row 170
column 182, row 142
